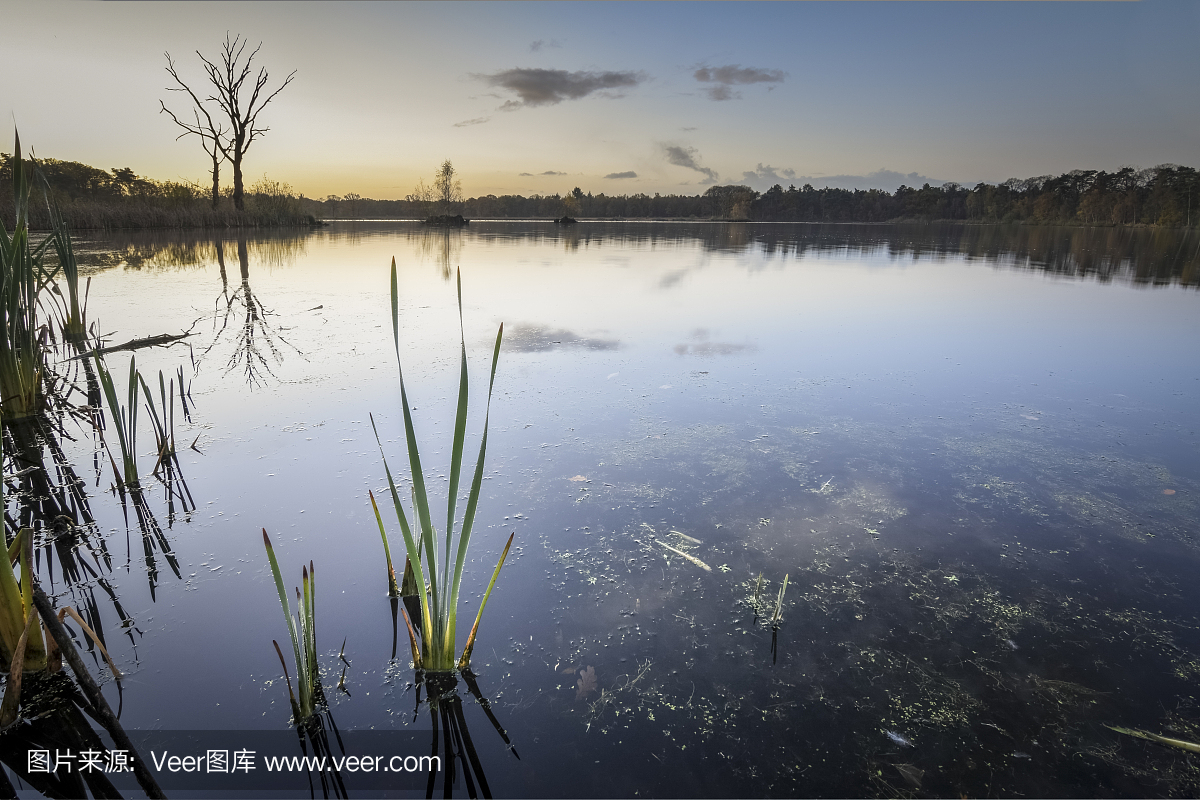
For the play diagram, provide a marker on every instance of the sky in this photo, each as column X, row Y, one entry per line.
column 621, row 98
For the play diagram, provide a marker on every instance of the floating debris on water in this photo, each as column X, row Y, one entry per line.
column 690, row 558
column 898, row 739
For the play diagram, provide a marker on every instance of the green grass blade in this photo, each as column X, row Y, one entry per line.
column 287, row 613
column 456, row 455
column 410, row 543
column 465, row 661
column 393, row 589
column 420, row 495
column 464, row 538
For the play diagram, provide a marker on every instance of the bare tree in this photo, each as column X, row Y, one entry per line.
column 447, row 188
column 210, row 134
column 229, row 79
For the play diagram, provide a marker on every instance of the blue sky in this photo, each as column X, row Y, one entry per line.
column 662, row 97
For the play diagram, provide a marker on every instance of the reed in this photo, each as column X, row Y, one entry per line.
column 22, row 276
column 445, row 557
column 777, row 617
column 124, row 420
column 74, row 324
column 302, row 629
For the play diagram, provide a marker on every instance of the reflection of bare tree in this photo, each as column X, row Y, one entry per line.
column 441, row 245
column 258, row 343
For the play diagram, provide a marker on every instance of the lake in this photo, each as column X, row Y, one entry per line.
column 971, row 450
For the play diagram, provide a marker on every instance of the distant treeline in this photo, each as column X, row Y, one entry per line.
column 97, row 198
column 1167, row 195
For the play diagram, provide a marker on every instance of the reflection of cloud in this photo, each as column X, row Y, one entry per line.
column 544, row 87
column 735, row 75
column 702, row 347
column 476, row 121
column 539, row 338
column 686, row 157
column 615, row 175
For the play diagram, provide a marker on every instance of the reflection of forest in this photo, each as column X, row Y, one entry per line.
column 1154, row 256
column 172, row 249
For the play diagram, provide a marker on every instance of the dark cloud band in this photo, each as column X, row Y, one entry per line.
column 544, row 87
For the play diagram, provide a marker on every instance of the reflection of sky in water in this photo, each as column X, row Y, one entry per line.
column 913, row 407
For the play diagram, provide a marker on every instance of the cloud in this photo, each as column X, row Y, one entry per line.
column 476, row 121
column 735, row 75
column 764, row 177
column 629, row 174
column 535, row 47
column 552, row 172
column 525, row 175
column 686, row 157
column 545, row 87
column 884, row 179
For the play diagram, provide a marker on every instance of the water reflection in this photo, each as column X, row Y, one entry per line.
column 258, row 343
column 165, row 249
column 1143, row 256
column 540, row 338
column 442, row 245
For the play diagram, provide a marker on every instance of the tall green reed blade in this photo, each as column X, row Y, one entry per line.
column 22, row 277
column 304, row 639
column 439, row 603
column 393, row 589
column 124, row 419
column 164, row 427
column 465, row 660
column 74, row 321
column 410, row 544
column 420, row 495
column 476, row 489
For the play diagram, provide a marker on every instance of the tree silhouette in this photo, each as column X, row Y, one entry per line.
column 229, row 81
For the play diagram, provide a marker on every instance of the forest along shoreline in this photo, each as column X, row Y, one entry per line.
column 95, row 199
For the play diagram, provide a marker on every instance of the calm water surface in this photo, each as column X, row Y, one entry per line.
column 972, row 451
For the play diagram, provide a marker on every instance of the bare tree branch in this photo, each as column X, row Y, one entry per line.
column 227, row 79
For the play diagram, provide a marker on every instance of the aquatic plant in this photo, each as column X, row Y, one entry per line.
column 441, row 575
column 1154, row 737
column 74, row 325
column 22, row 276
column 303, row 631
column 777, row 617
column 124, row 420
